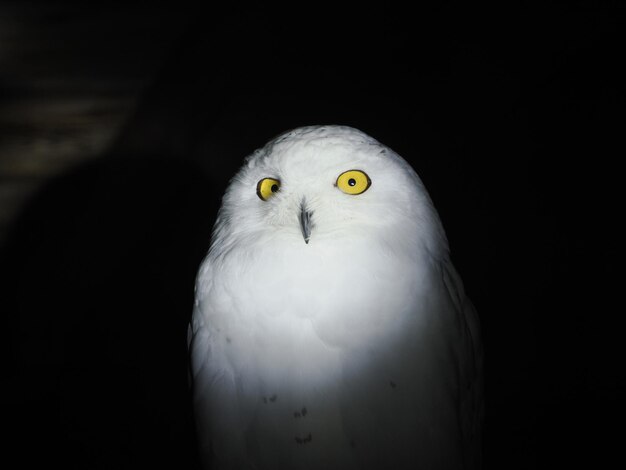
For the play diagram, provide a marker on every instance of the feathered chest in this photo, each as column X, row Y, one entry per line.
column 348, row 291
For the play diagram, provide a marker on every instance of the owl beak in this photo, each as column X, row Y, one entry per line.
column 305, row 221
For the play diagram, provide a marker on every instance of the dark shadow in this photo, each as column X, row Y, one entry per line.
column 511, row 121
column 97, row 278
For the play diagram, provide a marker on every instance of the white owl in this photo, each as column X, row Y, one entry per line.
column 330, row 329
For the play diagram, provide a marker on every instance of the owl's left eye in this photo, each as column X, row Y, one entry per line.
column 353, row 182
column 266, row 188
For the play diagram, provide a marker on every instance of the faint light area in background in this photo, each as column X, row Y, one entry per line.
column 67, row 86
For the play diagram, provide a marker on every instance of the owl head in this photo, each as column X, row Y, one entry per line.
column 322, row 185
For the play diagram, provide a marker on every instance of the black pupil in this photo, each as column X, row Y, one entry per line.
column 274, row 188
column 351, row 182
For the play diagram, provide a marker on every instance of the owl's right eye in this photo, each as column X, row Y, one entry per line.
column 266, row 188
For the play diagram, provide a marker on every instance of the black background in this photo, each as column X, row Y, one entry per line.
column 512, row 116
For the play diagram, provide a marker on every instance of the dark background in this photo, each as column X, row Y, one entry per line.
column 512, row 116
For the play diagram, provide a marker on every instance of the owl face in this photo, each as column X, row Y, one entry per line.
column 324, row 185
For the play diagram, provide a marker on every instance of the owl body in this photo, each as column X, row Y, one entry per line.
column 330, row 329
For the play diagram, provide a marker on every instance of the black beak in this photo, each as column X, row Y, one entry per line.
column 305, row 221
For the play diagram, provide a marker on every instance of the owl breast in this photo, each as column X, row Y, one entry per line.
column 333, row 330
column 348, row 291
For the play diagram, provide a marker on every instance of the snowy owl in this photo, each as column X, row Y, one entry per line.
column 330, row 329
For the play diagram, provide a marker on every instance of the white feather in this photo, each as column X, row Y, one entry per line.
column 356, row 350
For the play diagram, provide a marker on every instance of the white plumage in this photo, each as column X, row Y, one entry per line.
column 330, row 329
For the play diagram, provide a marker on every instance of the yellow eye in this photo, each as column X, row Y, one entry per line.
column 353, row 182
column 266, row 188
